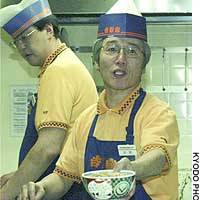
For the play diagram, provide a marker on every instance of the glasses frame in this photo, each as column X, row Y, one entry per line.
column 124, row 49
column 21, row 39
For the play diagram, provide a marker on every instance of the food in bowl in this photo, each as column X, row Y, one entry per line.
column 108, row 173
column 106, row 184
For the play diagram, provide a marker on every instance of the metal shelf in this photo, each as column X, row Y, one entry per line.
column 151, row 18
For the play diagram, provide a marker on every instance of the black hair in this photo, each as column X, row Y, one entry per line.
column 60, row 33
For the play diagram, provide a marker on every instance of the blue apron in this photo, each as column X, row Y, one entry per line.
column 108, row 150
column 31, row 136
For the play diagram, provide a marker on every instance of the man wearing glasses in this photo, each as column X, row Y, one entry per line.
column 127, row 129
column 65, row 90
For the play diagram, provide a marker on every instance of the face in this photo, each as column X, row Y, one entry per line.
column 121, row 63
column 32, row 45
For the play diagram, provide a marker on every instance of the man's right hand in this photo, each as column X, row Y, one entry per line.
column 4, row 179
column 32, row 191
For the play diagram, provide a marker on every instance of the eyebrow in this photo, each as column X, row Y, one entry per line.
column 129, row 43
column 111, row 41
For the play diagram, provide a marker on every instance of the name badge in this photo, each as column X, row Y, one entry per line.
column 127, row 150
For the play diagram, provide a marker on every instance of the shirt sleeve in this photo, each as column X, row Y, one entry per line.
column 55, row 99
column 67, row 165
column 160, row 131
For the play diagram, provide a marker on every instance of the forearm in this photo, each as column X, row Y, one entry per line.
column 149, row 164
column 55, row 186
column 31, row 169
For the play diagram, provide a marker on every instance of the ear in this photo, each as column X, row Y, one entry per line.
column 49, row 29
column 94, row 63
column 96, row 66
column 144, row 70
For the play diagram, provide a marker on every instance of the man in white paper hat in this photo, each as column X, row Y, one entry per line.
column 127, row 129
column 66, row 88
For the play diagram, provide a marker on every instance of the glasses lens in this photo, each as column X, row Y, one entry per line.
column 114, row 49
column 23, row 39
column 132, row 51
column 12, row 44
column 111, row 49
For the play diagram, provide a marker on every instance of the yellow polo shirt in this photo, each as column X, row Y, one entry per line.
column 155, row 126
column 65, row 89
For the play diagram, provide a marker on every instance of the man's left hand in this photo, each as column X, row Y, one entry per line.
column 123, row 164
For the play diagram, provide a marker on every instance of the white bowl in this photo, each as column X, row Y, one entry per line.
column 106, row 184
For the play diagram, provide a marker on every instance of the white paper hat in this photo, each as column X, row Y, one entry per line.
column 123, row 20
column 18, row 17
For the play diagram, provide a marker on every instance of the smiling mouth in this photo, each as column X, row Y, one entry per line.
column 119, row 73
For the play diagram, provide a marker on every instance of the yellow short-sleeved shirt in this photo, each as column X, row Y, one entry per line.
column 155, row 127
column 65, row 89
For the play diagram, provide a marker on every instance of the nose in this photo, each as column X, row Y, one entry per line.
column 121, row 59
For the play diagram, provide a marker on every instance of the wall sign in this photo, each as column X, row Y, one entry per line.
column 21, row 95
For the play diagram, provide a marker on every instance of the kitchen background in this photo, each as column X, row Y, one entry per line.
column 168, row 75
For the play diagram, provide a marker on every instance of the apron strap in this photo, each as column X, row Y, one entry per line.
column 136, row 107
column 93, row 125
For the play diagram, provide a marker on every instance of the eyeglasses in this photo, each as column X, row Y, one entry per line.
column 131, row 50
column 22, row 39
